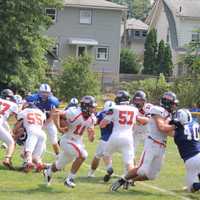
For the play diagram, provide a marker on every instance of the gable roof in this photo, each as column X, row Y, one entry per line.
column 136, row 24
column 98, row 4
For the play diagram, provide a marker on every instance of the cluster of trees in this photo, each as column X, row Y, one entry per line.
column 157, row 57
column 138, row 9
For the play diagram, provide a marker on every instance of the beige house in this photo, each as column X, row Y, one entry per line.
column 176, row 22
column 92, row 27
column 136, row 32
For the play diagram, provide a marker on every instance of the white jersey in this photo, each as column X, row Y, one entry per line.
column 153, row 130
column 123, row 118
column 33, row 119
column 145, row 111
column 77, row 123
column 7, row 107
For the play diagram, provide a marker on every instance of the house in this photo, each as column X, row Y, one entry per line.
column 176, row 22
column 136, row 32
column 92, row 27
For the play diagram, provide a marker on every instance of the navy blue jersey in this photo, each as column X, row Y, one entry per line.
column 51, row 103
column 187, row 139
column 105, row 132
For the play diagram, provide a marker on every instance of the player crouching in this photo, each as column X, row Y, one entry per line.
column 30, row 121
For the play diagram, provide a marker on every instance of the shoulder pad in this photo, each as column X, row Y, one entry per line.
column 54, row 100
column 157, row 110
column 33, row 97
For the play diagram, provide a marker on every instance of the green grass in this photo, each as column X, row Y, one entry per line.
column 19, row 186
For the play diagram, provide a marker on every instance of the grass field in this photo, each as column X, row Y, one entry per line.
column 16, row 185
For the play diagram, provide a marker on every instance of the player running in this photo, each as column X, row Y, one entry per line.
column 71, row 144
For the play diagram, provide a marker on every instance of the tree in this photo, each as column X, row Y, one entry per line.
column 164, row 59
column 129, row 63
column 136, row 8
column 150, row 53
column 77, row 78
column 23, row 44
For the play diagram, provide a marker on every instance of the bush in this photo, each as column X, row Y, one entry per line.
column 129, row 63
column 77, row 79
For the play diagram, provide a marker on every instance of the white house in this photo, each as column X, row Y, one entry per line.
column 176, row 22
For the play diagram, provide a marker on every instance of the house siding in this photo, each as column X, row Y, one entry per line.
column 105, row 28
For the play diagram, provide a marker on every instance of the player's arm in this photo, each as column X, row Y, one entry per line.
column 163, row 126
column 142, row 120
column 91, row 134
column 59, row 116
column 18, row 129
column 107, row 119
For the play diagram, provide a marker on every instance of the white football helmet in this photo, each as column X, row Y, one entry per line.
column 109, row 105
column 74, row 101
column 184, row 116
column 45, row 88
column 18, row 99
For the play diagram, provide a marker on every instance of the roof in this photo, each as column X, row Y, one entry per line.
column 136, row 24
column 98, row 4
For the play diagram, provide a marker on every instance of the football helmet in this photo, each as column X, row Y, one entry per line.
column 18, row 99
column 108, row 105
column 88, row 104
column 169, row 101
column 74, row 101
column 44, row 91
column 184, row 116
column 139, row 99
column 7, row 94
column 122, row 97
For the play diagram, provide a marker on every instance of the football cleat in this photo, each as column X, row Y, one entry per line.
column 107, row 177
column 69, row 182
column 8, row 165
column 117, row 184
column 91, row 174
column 47, row 175
column 28, row 167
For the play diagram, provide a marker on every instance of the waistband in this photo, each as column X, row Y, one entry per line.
column 162, row 144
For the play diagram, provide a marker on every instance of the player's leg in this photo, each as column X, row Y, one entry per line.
column 38, row 152
column 6, row 137
column 81, row 155
column 53, row 136
column 192, row 166
column 96, row 160
column 29, row 147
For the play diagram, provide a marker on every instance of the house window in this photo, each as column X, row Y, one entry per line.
column 195, row 37
column 55, row 50
column 81, row 50
column 137, row 33
column 51, row 12
column 85, row 16
column 144, row 33
column 102, row 53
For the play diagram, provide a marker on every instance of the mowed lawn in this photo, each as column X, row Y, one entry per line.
column 16, row 185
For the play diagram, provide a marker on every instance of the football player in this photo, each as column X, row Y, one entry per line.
column 139, row 100
column 105, row 134
column 155, row 142
column 7, row 108
column 124, row 118
column 73, row 103
column 31, row 119
column 187, row 139
column 48, row 103
column 71, row 144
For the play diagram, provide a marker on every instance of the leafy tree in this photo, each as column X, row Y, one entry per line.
column 77, row 78
column 129, row 63
column 164, row 59
column 23, row 44
column 150, row 53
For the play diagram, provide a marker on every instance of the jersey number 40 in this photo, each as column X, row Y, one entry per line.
column 193, row 133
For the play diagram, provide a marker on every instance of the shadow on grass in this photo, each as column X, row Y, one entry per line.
column 195, row 196
column 40, row 189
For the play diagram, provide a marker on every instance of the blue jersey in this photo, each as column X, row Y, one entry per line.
column 187, row 140
column 51, row 103
column 105, row 132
